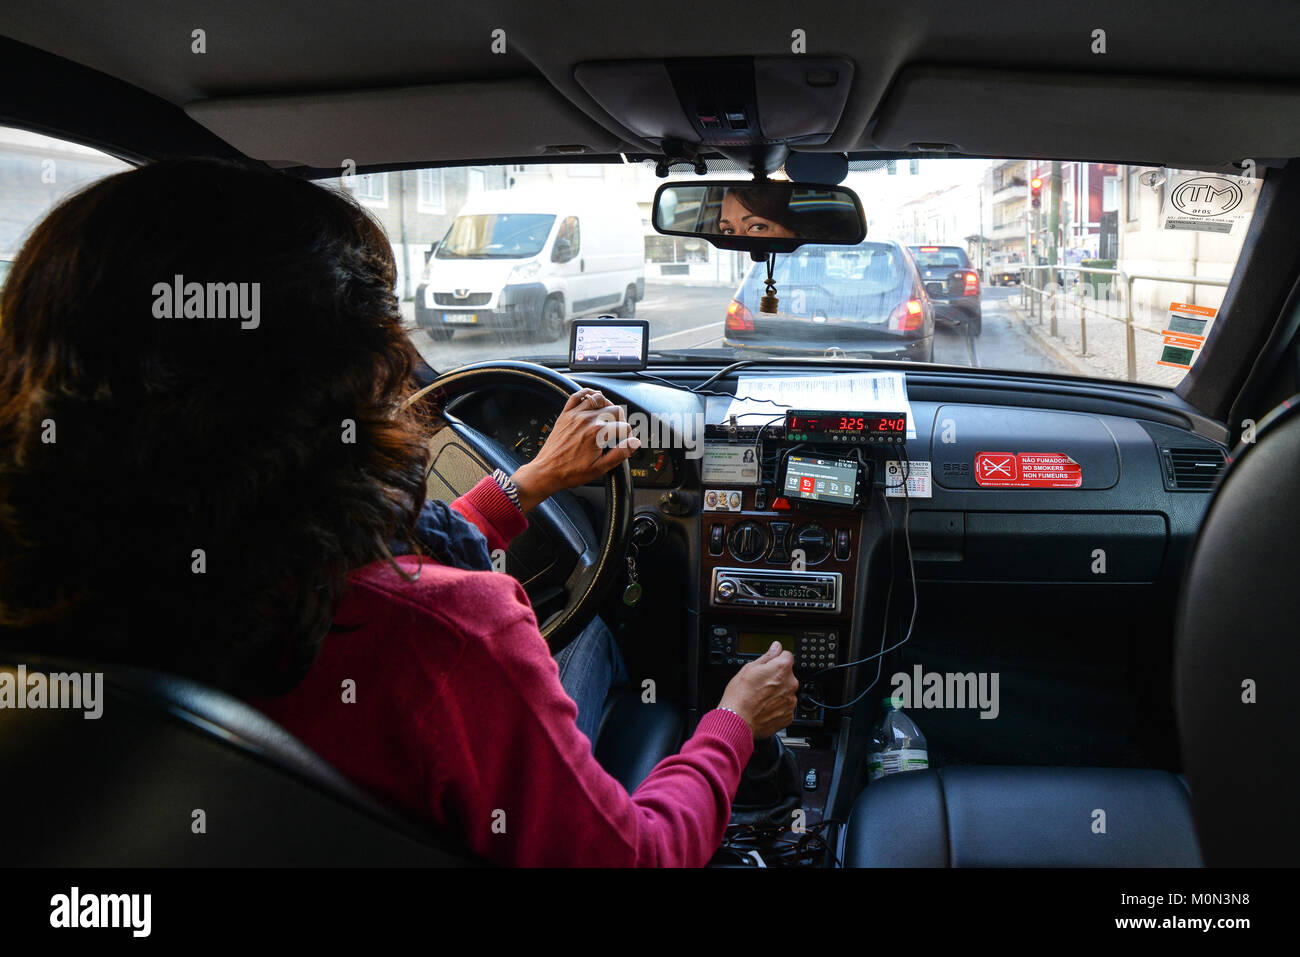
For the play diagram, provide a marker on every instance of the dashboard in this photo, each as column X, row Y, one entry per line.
column 1005, row 486
column 1029, row 526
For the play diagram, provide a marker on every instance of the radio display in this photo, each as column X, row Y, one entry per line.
column 811, row 479
column 757, row 642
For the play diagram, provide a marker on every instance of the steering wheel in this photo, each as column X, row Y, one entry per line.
column 565, row 566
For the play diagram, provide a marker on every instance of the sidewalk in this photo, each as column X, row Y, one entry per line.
column 1107, row 355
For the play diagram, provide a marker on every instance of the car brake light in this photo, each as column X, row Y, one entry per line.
column 908, row 317
column 739, row 318
column 929, row 249
column 972, row 284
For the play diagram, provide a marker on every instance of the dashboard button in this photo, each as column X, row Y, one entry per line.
column 843, row 544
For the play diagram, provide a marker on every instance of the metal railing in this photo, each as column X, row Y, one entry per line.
column 1038, row 294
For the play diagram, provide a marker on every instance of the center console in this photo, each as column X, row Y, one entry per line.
column 780, row 561
column 774, row 572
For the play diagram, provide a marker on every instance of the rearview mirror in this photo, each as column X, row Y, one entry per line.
column 760, row 217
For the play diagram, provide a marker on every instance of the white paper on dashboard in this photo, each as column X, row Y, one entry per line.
column 761, row 399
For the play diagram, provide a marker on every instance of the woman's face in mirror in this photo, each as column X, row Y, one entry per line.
column 736, row 220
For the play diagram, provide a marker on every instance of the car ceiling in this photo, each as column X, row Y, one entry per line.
column 398, row 82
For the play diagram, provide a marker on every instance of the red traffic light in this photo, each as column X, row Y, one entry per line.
column 1036, row 182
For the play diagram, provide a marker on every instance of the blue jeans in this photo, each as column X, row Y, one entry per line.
column 590, row 666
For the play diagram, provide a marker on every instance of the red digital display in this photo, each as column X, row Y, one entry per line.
column 845, row 424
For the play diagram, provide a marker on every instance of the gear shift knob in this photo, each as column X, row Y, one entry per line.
column 769, row 789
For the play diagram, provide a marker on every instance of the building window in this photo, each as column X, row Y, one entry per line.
column 482, row 179
column 674, row 249
column 431, row 195
column 1132, row 195
column 1109, row 193
column 370, row 188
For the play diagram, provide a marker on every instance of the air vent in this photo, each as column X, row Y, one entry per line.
column 1191, row 470
column 771, row 459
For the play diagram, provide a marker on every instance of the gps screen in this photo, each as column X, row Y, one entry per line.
column 606, row 344
column 833, row 481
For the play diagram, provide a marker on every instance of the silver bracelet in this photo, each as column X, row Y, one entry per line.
column 733, row 711
column 507, row 486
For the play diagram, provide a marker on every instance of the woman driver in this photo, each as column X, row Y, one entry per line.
column 761, row 213
column 219, row 496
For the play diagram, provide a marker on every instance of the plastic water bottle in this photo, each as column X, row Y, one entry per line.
column 897, row 744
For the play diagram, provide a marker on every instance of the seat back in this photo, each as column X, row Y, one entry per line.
column 1237, row 654
column 176, row 774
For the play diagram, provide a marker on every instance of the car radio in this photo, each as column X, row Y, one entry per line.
column 776, row 589
column 813, row 649
column 853, row 428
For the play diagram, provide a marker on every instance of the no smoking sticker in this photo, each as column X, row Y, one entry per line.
column 1027, row 470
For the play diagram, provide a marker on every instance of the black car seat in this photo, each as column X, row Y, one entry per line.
column 1023, row 817
column 176, row 774
column 1237, row 654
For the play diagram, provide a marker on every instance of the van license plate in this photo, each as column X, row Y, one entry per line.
column 460, row 318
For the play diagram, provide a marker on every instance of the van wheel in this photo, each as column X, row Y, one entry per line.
column 551, row 326
column 628, row 309
column 438, row 334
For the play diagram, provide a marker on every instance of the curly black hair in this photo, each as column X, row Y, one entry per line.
column 189, row 492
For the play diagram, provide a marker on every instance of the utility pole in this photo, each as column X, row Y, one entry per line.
column 401, row 220
column 1025, row 275
column 1054, row 219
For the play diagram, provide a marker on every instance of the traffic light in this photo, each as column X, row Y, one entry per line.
column 1036, row 192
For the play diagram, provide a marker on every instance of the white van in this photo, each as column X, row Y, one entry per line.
column 530, row 262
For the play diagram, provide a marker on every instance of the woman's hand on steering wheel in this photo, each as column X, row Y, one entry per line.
column 590, row 437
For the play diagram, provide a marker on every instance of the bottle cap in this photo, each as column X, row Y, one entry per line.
column 892, row 701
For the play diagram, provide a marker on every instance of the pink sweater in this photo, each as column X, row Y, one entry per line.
column 458, row 715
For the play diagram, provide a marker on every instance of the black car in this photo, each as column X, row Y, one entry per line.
column 863, row 300
column 953, row 284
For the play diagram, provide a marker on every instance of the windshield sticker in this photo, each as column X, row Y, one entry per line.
column 722, row 500
column 1185, row 331
column 859, row 391
column 1206, row 203
column 918, row 479
column 1027, row 470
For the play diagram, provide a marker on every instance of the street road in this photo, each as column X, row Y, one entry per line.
column 690, row 317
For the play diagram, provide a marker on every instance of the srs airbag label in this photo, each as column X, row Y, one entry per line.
column 1027, row 470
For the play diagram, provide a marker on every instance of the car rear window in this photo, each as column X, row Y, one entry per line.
column 876, row 263
column 939, row 256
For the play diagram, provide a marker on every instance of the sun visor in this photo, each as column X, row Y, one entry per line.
column 1179, row 123
column 454, row 121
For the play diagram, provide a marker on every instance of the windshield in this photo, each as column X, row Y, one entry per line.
column 496, row 236
column 1016, row 265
